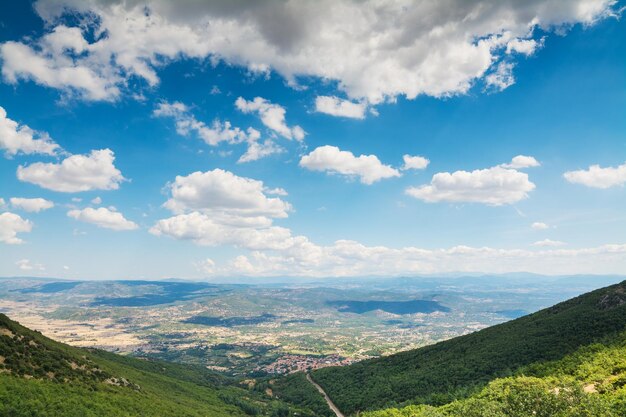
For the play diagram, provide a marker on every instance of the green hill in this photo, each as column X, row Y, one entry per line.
column 457, row 368
column 40, row 377
column 591, row 382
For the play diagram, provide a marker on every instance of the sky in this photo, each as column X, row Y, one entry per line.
column 218, row 140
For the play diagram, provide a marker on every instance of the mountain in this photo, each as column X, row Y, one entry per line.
column 460, row 367
column 40, row 377
column 590, row 382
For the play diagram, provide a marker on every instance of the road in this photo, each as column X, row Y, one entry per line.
column 321, row 390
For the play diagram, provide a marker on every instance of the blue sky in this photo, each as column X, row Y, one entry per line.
column 554, row 93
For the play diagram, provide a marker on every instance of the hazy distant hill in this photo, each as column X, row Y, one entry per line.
column 439, row 373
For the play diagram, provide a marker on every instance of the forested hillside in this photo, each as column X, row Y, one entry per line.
column 40, row 377
column 590, row 382
column 457, row 368
column 295, row 389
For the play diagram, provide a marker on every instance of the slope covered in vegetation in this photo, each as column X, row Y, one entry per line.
column 44, row 378
column 295, row 389
column 457, row 368
column 589, row 382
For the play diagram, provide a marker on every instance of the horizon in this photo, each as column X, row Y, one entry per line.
column 250, row 280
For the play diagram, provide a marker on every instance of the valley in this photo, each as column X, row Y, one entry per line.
column 566, row 360
column 273, row 328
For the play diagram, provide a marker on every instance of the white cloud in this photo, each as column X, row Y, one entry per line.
column 222, row 193
column 548, row 242
column 206, row 266
column 31, row 204
column 501, row 77
column 414, row 162
column 376, row 50
column 493, row 186
column 271, row 115
column 257, row 150
column 539, row 226
column 16, row 138
column 218, row 132
column 338, row 107
column 210, row 210
column 350, row 258
column 52, row 68
column 26, row 265
column 522, row 161
column 213, row 135
column 523, row 46
column 96, row 201
column 597, row 177
column 276, row 191
column 220, row 208
column 103, row 217
column 208, row 231
column 10, row 225
column 94, row 171
column 331, row 159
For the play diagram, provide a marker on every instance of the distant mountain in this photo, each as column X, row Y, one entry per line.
column 459, row 367
column 394, row 307
column 40, row 377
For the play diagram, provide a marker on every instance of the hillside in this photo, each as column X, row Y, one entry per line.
column 460, row 367
column 590, row 382
column 44, row 378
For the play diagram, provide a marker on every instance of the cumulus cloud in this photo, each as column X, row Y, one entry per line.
column 218, row 132
column 214, row 208
column 331, row 159
column 52, row 67
column 220, row 208
column 213, row 135
column 94, row 171
column 414, row 162
column 10, row 225
column 276, row 191
column 539, row 226
column 223, row 193
column 376, row 50
column 207, row 266
column 209, row 231
column 31, row 204
column 548, row 242
column 493, row 186
column 522, row 161
column 350, row 258
column 335, row 106
column 257, row 150
column 27, row 265
column 501, row 77
column 523, row 46
column 271, row 115
column 16, row 138
column 103, row 217
column 598, row 177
